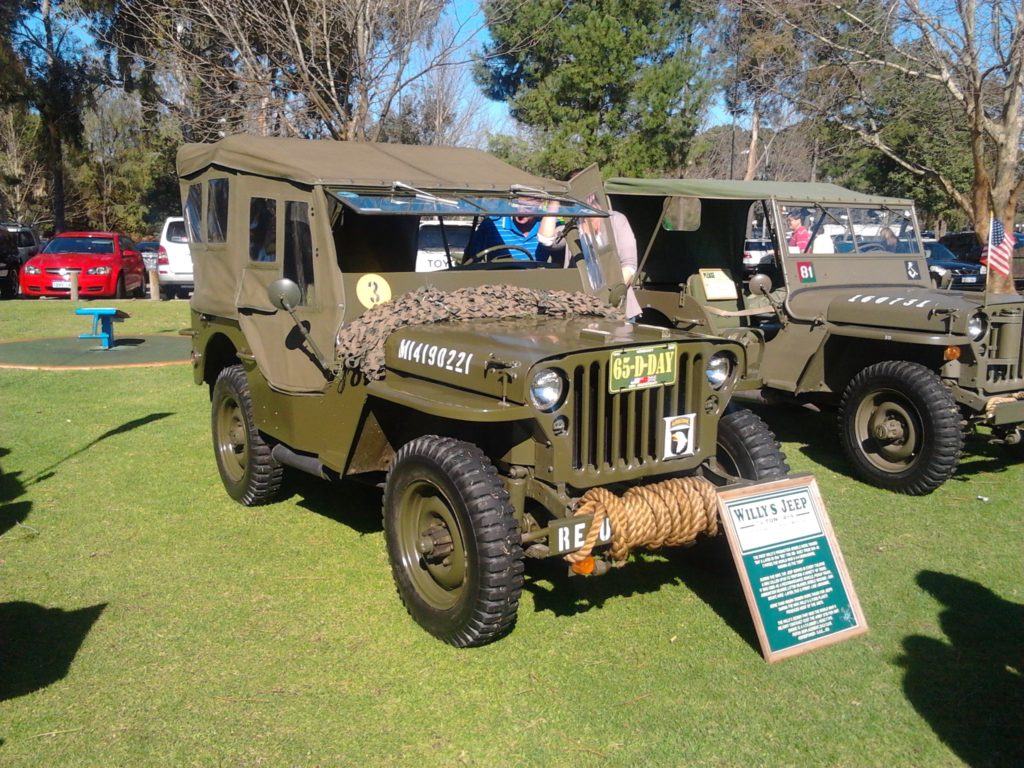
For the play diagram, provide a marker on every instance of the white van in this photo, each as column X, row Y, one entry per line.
column 174, row 265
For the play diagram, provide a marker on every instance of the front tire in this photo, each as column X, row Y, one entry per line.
column 747, row 448
column 454, row 544
column 119, row 292
column 900, row 427
column 249, row 473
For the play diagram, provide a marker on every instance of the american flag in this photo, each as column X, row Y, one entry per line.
column 999, row 249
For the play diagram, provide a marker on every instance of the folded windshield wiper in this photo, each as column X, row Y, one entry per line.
column 419, row 194
column 522, row 189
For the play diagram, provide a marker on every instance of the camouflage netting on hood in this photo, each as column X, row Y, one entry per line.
column 360, row 344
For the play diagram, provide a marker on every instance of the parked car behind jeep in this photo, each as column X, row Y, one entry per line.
column 503, row 401
column 106, row 264
column 174, row 262
column 849, row 320
column 28, row 241
column 962, row 275
column 10, row 264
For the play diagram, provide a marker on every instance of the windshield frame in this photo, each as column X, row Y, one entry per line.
column 402, row 200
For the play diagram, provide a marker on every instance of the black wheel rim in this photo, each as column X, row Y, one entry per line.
column 232, row 442
column 889, row 429
column 431, row 545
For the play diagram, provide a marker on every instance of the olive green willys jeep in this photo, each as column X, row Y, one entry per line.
column 491, row 395
column 845, row 315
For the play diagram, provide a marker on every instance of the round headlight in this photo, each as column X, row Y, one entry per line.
column 977, row 325
column 547, row 389
column 720, row 369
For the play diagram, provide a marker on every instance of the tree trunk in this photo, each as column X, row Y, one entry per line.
column 752, row 148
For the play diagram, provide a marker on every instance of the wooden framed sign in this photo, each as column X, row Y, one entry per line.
column 794, row 577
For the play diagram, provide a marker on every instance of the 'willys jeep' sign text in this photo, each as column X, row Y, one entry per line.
column 793, row 573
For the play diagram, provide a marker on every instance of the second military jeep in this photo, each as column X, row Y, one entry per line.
column 844, row 315
column 495, row 392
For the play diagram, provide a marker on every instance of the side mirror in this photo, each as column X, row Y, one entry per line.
column 681, row 214
column 760, row 285
column 284, row 294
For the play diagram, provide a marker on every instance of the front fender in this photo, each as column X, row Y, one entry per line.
column 446, row 402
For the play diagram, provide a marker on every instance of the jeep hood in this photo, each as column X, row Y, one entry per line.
column 493, row 356
column 523, row 341
column 899, row 307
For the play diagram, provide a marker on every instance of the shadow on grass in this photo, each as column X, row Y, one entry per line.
column 349, row 502
column 12, row 512
column 816, row 434
column 983, row 458
column 705, row 568
column 37, row 644
column 969, row 689
column 128, row 426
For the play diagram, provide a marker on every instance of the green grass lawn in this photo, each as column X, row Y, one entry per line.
column 148, row 620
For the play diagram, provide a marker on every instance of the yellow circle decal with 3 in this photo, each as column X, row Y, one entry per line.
column 372, row 290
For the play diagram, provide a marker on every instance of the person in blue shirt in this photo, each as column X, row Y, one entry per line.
column 535, row 235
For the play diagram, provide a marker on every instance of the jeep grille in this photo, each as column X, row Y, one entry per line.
column 620, row 431
column 1003, row 368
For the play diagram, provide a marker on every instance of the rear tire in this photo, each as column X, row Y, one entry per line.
column 747, row 448
column 251, row 475
column 454, row 544
column 900, row 427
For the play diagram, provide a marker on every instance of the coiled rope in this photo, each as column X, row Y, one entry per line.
column 665, row 514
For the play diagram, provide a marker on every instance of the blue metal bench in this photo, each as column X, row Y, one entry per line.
column 104, row 319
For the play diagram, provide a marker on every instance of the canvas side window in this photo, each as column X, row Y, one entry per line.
column 217, row 211
column 193, row 212
column 298, row 246
column 262, row 229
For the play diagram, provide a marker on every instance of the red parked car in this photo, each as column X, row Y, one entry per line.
column 107, row 263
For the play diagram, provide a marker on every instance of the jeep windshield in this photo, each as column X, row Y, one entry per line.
column 818, row 228
column 406, row 200
column 402, row 228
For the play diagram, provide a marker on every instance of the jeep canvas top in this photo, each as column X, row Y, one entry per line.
column 847, row 316
column 504, row 402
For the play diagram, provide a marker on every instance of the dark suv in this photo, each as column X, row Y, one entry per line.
column 26, row 239
column 9, row 264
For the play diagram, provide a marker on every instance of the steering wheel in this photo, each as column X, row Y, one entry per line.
column 482, row 255
column 871, row 247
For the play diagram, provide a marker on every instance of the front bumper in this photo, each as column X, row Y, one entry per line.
column 88, row 285
column 1003, row 411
